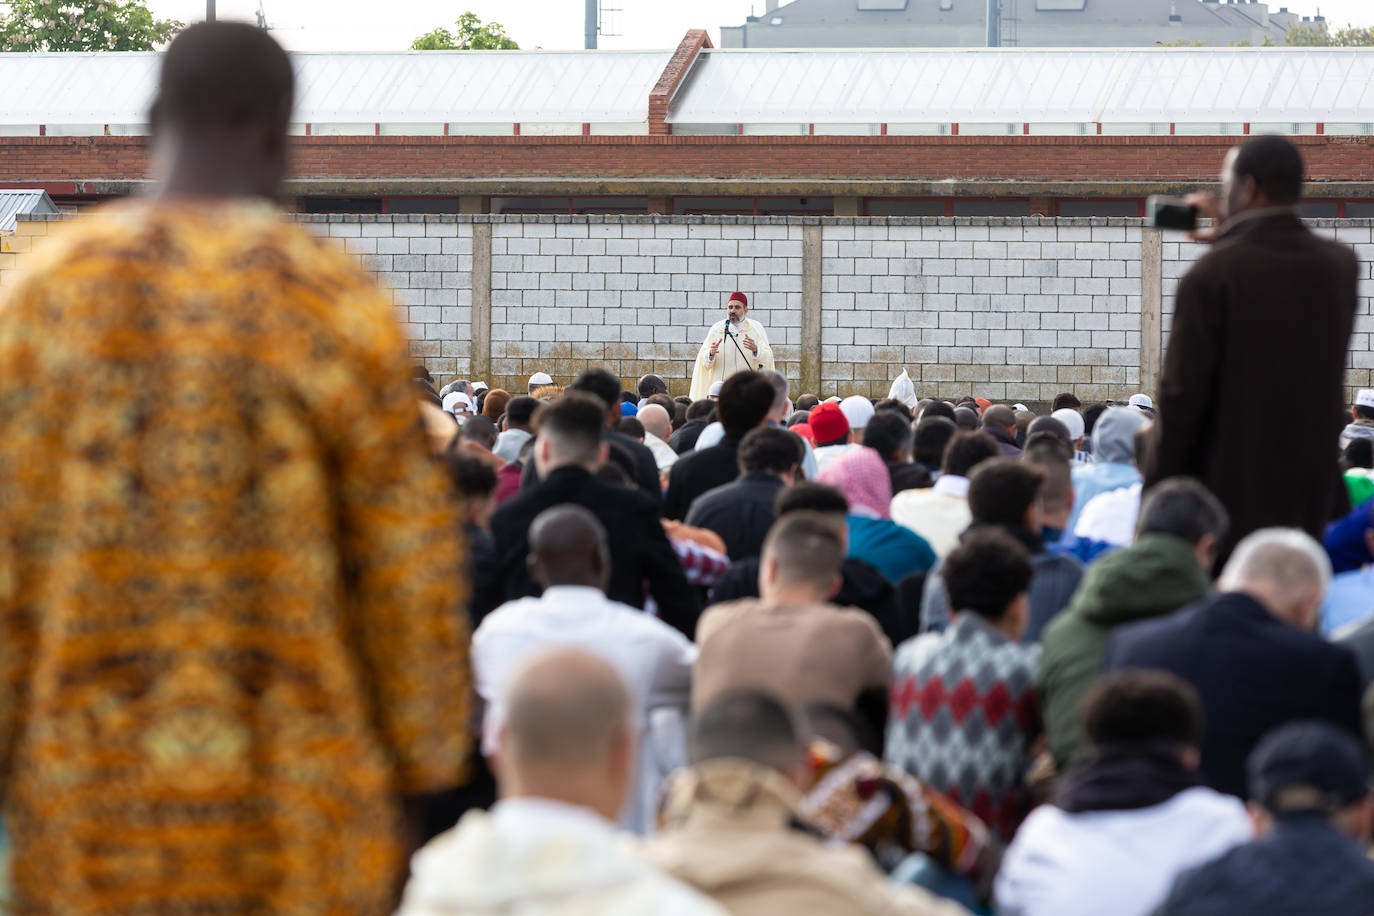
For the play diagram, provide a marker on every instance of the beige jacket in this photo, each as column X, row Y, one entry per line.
column 729, row 831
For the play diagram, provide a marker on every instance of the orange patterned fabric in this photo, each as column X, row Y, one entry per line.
column 230, row 632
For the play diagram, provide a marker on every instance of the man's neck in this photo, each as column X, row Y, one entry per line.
column 792, row 594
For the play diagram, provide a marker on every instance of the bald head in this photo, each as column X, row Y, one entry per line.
column 999, row 416
column 220, row 117
column 1282, row 568
column 568, row 547
column 656, row 421
column 566, row 734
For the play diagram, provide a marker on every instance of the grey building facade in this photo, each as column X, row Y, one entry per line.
column 1023, row 23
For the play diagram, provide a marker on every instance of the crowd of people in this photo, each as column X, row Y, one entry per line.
column 289, row 627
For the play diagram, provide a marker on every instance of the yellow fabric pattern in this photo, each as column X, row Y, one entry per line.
column 231, row 626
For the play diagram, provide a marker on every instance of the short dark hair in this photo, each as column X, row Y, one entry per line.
column 651, row 385
column 1183, row 507
column 662, row 400
column 1051, row 457
column 895, row 406
column 1046, row 441
column 1360, row 453
column 931, row 439
column 1000, row 491
column 1363, row 412
column 770, row 449
column 1276, row 166
column 471, row 476
column 888, row 433
column 745, row 399
column 810, row 496
column 999, row 416
column 629, row 397
column 796, row 418
column 967, row 450
column 1140, row 706
column 520, row 411
column 985, row 572
column 1049, row 425
column 939, row 409
column 1091, row 413
column 746, row 724
column 1065, row 399
column 702, row 410
column 479, row 429
column 807, row 401
column 807, row 548
column 575, row 422
column 965, row 417
column 599, row 382
column 629, row 426
column 226, row 74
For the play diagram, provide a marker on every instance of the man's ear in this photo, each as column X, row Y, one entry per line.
column 834, row 587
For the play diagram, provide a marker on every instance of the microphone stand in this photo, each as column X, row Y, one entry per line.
column 735, row 338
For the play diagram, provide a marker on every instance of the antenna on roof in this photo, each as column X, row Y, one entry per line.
column 209, row 10
column 262, row 17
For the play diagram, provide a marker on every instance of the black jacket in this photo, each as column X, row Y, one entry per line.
column 740, row 512
column 1303, row 866
column 646, row 466
column 694, row 474
column 685, row 437
column 1263, row 318
column 640, row 550
column 1252, row 671
column 907, row 475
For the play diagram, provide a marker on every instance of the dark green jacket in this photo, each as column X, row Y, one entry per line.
column 1153, row 577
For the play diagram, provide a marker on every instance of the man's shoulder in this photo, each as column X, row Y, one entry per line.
column 1145, row 637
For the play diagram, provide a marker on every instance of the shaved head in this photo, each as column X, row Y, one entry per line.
column 999, row 416
column 568, row 547
column 655, row 420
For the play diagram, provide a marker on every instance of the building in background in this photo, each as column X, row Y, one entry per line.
column 1023, row 23
column 698, row 130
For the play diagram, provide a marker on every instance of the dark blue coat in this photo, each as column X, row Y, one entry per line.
column 1303, row 866
column 1252, row 671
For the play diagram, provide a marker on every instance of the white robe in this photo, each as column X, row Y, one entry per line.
column 728, row 360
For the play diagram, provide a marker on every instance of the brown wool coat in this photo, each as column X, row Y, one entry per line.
column 1252, row 391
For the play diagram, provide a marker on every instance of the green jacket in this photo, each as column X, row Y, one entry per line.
column 1152, row 578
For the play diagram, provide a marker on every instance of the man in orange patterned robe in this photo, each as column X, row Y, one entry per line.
column 232, row 645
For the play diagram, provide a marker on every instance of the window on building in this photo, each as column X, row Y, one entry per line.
column 1321, row 209
column 422, row 205
column 569, row 205
column 1359, row 209
column 1001, row 207
column 342, row 205
column 888, row 206
column 755, row 206
column 1096, row 207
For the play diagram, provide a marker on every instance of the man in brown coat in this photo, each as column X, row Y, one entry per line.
column 1261, row 320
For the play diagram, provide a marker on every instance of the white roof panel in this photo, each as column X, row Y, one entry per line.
column 414, row 87
column 1128, row 86
column 15, row 203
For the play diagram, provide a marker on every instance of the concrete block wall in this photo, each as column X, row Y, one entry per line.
column 1019, row 309
column 635, row 295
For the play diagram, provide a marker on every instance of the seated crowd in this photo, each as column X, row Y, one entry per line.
column 889, row 656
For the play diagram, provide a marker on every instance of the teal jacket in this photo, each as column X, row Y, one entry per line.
column 1154, row 577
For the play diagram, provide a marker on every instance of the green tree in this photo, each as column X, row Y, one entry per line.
column 64, row 25
column 470, row 35
column 1317, row 35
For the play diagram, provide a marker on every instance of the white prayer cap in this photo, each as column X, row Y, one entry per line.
column 1365, row 398
column 858, row 410
column 715, row 389
column 833, row 399
column 1141, row 402
column 1072, row 420
column 1021, row 407
column 455, row 401
column 541, row 378
column 478, row 386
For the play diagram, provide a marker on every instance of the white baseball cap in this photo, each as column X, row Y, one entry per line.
column 858, row 410
column 541, row 378
column 1365, row 397
column 1021, row 407
column 715, row 389
column 1072, row 420
column 1141, row 402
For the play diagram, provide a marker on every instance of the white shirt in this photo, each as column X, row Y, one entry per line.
column 654, row 659
column 664, row 456
column 1117, row 862
column 1111, row 516
column 939, row 514
column 827, row 455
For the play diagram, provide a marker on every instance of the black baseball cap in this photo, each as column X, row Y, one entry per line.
column 1310, row 755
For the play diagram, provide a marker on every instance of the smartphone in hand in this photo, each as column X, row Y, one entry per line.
column 1170, row 213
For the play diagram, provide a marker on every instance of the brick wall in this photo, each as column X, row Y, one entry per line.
column 1015, row 309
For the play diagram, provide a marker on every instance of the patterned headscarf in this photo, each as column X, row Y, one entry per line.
column 862, row 477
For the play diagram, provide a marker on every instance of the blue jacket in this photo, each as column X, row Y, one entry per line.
column 1085, row 550
column 1252, row 671
column 1303, row 866
column 897, row 552
column 1344, row 540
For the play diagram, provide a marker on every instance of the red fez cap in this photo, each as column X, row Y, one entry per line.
column 828, row 423
column 803, row 430
column 739, row 297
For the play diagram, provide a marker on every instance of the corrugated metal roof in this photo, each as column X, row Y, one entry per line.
column 1192, row 85
column 416, row 87
column 13, row 203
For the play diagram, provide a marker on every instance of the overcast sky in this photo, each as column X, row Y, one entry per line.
column 369, row 25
